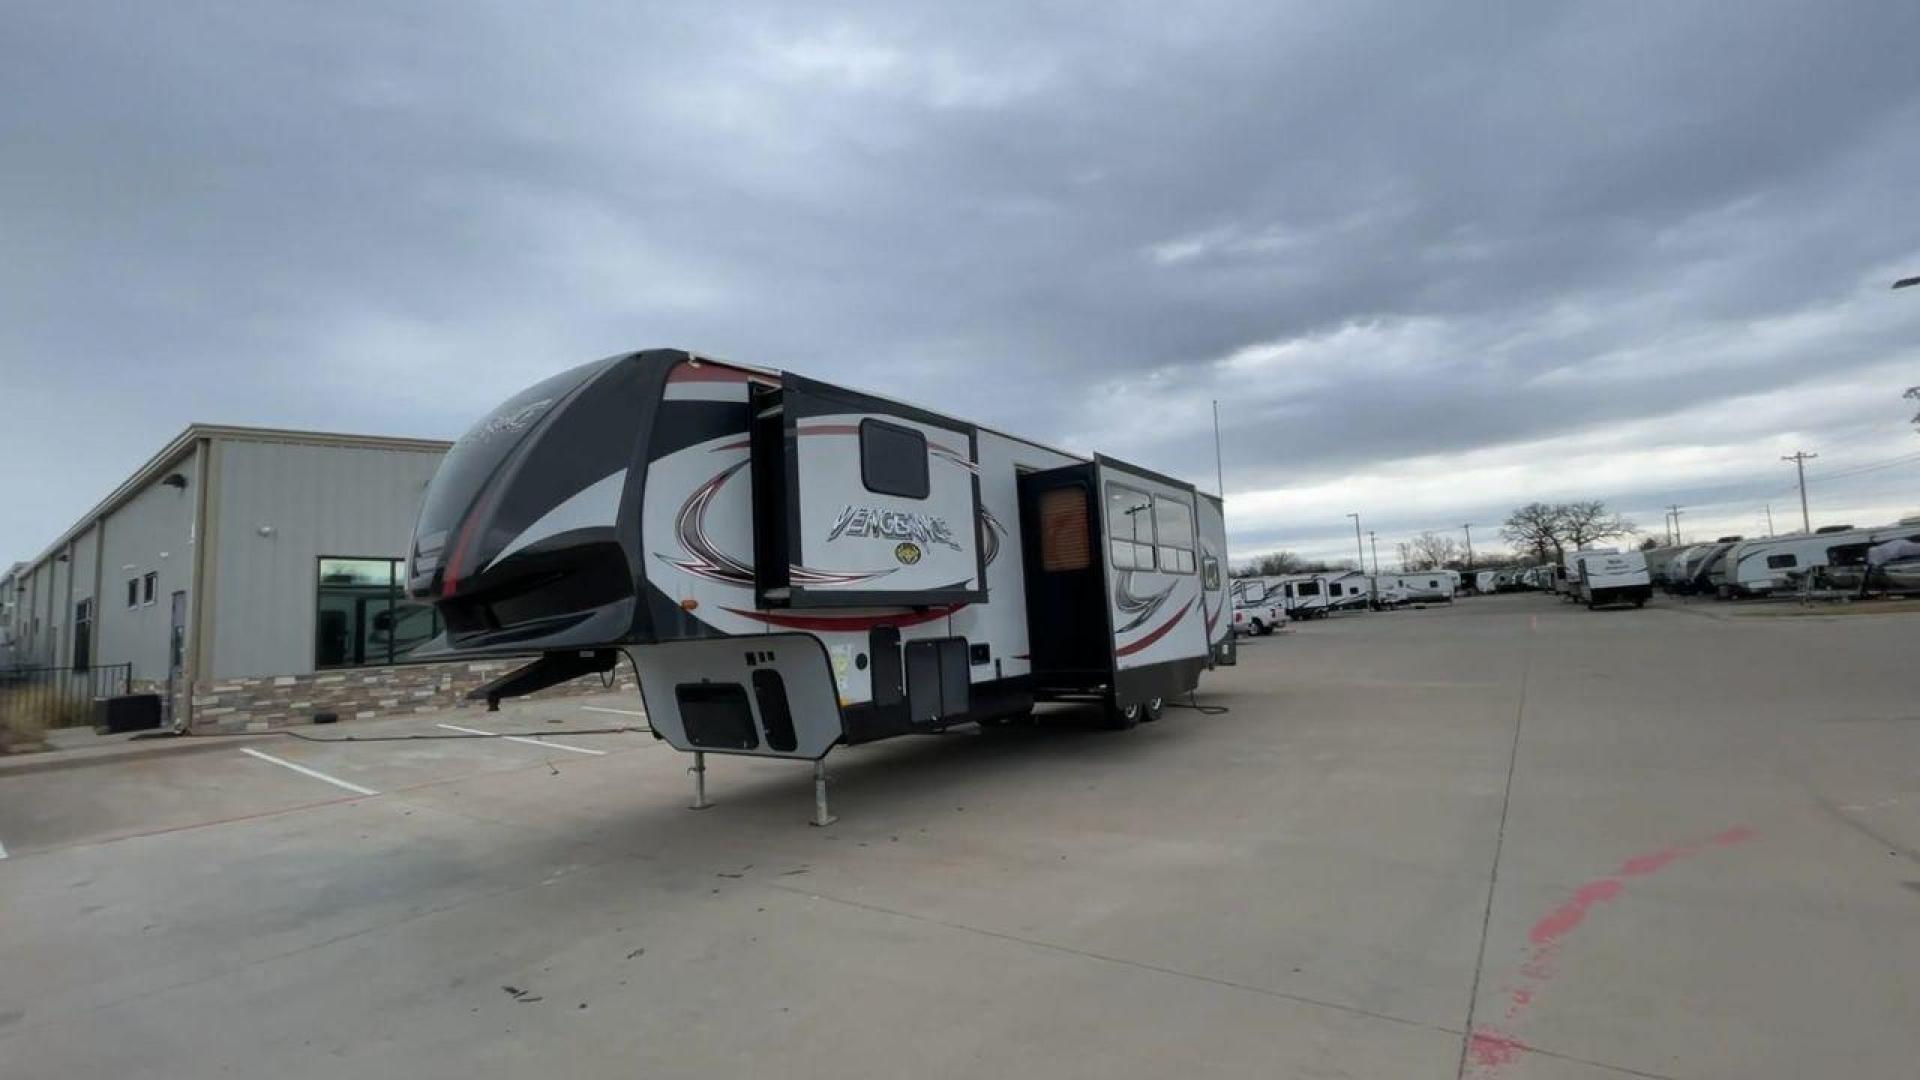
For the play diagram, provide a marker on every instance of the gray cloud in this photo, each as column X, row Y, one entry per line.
column 1386, row 238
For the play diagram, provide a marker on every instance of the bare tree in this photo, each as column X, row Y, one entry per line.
column 1273, row 565
column 1534, row 528
column 1432, row 550
column 1584, row 523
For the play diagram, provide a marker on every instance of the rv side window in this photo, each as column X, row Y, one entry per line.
column 1308, row 588
column 893, row 460
column 1782, row 562
column 1064, row 543
column 1130, row 528
column 1333, row 589
column 1173, row 532
column 1209, row 573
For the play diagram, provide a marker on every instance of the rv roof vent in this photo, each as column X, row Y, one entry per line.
column 1728, row 540
column 1825, row 529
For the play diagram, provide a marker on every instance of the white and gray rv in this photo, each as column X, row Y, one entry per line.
column 1771, row 564
column 792, row 566
column 1608, row 576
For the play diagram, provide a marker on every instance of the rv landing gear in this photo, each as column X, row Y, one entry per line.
column 699, row 772
column 821, row 818
column 820, row 815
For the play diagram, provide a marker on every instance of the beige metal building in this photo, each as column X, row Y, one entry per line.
column 257, row 573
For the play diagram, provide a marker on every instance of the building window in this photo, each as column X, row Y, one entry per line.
column 1782, row 562
column 149, row 586
column 1130, row 528
column 893, row 460
column 363, row 616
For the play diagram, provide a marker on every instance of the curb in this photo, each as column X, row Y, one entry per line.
column 145, row 749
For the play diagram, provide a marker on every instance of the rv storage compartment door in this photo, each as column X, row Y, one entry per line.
column 875, row 504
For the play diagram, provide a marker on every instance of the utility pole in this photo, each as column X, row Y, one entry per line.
column 1374, row 539
column 1469, row 527
column 1800, row 459
column 1769, row 519
column 1673, row 511
column 1357, row 549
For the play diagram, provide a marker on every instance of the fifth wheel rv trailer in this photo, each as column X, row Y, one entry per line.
column 1770, row 564
column 792, row 566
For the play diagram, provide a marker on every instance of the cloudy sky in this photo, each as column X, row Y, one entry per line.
column 1432, row 260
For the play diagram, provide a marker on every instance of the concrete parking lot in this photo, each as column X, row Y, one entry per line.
column 1504, row 838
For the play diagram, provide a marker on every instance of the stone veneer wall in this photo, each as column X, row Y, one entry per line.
column 256, row 704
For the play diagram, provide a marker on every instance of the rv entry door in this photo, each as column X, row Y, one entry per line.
column 1067, row 632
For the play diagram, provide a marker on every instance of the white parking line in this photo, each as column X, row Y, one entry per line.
column 529, row 742
column 616, row 712
column 303, row 770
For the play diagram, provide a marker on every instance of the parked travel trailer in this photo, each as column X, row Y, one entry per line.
column 1609, row 577
column 792, row 566
column 1486, row 581
column 1423, row 587
column 1304, row 595
column 1658, row 560
column 1348, row 590
column 1256, row 611
column 1767, row 565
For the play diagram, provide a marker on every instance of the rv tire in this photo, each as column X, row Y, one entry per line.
column 1152, row 709
column 1121, row 717
column 1259, row 628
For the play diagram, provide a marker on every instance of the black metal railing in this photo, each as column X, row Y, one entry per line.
column 52, row 697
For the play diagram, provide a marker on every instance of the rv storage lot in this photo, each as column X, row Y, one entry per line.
column 1700, row 837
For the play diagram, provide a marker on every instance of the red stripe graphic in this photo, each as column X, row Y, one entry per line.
column 708, row 373
column 1156, row 635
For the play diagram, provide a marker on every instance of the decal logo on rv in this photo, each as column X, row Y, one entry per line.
column 510, row 422
column 907, row 552
column 877, row 524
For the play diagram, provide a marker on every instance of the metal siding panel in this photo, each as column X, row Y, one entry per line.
column 157, row 520
column 319, row 501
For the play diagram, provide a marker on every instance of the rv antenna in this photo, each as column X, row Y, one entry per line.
column 1800, row 459
column 1219, row 473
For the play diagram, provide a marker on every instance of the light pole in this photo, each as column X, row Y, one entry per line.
column 1800, row 459
column 1469, row 527
column 1357, row 548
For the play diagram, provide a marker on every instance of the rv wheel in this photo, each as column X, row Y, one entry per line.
column 1119, row 717
column 1153, row 708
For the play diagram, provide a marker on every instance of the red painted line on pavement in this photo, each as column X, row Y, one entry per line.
column 1488, row 1050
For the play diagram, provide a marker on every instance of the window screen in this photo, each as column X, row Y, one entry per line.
column 1130, row 528
column 1065, row 543
column 1782, row 562
column 893, row 460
